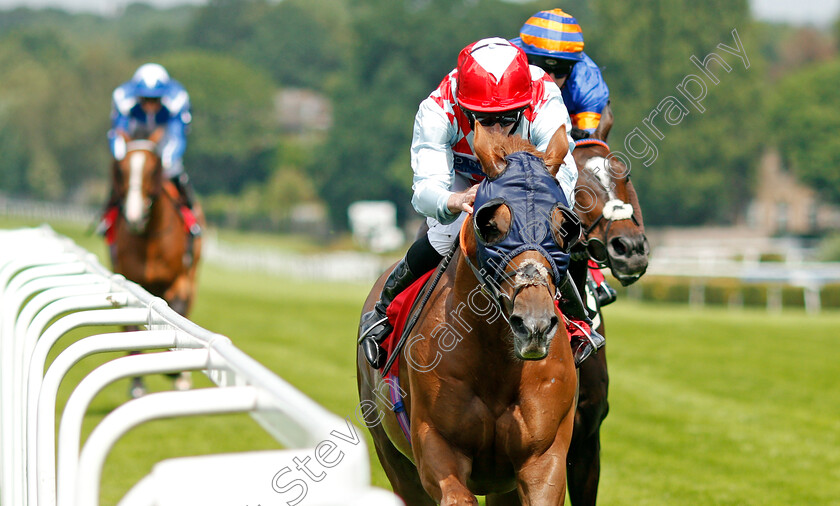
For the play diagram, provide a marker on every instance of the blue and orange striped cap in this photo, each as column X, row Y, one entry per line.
column 551, row 33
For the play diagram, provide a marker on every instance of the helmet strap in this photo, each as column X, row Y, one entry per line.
column 469, row 116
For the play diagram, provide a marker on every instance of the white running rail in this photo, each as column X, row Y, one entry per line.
column 48, row 287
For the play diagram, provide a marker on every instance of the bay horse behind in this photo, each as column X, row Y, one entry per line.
column 150, row 241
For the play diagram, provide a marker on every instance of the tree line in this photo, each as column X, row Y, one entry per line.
column 697, row 93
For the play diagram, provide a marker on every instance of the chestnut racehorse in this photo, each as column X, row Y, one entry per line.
column 614, row 237
column 489, row 398
column 152, row 246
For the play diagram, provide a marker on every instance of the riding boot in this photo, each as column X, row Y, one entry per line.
column 598, row 284
column 185, row 189
column 584, row 339
column 187, row 197
column 109, row 214
column 375, row 326
column 605, row 294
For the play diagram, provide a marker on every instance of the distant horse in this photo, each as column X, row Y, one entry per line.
column 488, row 398
column 614, row 237
column 151, row 245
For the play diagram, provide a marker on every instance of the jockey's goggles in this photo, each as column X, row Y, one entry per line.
column 554, row 66
column 503, row 118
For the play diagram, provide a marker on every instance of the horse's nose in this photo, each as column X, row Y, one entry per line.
column 531, row 327
column 627, row 246
column 628, row 257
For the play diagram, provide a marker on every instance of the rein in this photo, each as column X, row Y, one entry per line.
column 419, row 308
column 497, row 297
column 606, row 213
column 501, row 300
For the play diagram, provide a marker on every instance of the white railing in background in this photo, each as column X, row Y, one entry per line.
column 47, row 211
column 351, row 266
column 699, row 259
column 811, row 277
column 48, row 287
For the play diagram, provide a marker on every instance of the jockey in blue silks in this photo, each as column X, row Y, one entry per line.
column 553, row 41
column 153, row 106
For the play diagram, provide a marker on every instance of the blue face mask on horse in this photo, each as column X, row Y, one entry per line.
column 533, row 197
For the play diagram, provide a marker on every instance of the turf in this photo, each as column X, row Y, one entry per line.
column 706, row 406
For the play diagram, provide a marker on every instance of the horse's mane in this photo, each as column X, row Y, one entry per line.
column 503, row 145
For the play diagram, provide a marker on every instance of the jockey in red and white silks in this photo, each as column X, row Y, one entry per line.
column 442, row 155
column 493, row 84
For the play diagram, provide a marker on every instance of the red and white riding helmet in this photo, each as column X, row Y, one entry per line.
column 493, row 76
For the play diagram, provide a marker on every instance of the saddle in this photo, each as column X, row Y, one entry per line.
column 398, row 313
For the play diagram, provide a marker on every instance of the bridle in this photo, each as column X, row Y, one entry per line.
column 492, row 285
column 133, row 200
column 594, row 248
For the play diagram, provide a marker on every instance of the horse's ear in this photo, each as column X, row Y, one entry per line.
column 558, row 147
column 606, row 123
column 491, row 160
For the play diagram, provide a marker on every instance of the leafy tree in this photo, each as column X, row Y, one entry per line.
column 401, row 51
column 233, row 128
column 803, row 110
column 297, row 42
column 703, row 170
column 57, row 110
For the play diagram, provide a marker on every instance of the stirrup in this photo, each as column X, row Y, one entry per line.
column 372, row 337
column 102, row 228
column 106, row 222
column 585, row 344
column 370, row 329
column 605, row 294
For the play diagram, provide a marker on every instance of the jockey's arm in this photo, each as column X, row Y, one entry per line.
column 462, row 201
column 118, row 134
column 432, row 162
column 174, row 137
column 551, row 116
column 590, row 95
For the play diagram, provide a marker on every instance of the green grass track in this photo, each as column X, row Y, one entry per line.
column 709, row 406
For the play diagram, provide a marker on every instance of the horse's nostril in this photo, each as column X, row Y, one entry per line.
column 518, row 325
column 619, row 246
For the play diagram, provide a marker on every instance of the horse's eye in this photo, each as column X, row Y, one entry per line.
column 492, row 223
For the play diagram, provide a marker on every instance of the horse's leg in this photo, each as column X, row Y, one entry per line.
column 509, row 499
column 542, row 478
column 443, row 470
column 136, row 388
column 400, row 470
column 179, row 295
column 179, row 298
column 584, row 460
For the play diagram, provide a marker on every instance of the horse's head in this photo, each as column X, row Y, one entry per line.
column 605, row 200
column 138, row 182
column 521, row 233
